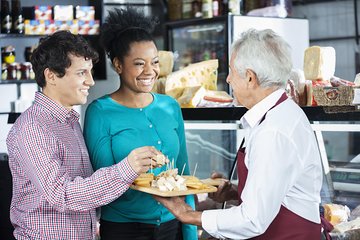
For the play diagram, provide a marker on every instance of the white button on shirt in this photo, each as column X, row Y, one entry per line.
column 284, row 168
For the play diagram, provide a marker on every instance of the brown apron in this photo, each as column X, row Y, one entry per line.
column 286, row 225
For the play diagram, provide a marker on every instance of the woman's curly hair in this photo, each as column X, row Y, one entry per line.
column 124, row 26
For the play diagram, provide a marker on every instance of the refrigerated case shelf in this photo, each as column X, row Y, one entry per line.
column 216, row 134
column 319, row 113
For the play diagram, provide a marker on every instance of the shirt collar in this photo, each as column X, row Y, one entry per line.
column 59, row 112
column 253, row 116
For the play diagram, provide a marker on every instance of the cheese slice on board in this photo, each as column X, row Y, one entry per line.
column 319, row 63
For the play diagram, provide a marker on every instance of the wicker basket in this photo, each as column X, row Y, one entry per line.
column 333, row 96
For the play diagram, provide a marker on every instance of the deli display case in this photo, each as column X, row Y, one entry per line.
column 197, row 40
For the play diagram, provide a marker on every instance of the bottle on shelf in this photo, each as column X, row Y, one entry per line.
column 235, row 7
column 186, row 9
column 225, row 7
column 217, row 8
column 206, row 7
column 174, row 10
column 17, row 17
column 196, row 8
column 5, row 17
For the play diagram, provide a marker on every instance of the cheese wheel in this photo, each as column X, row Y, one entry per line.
column 319, row 63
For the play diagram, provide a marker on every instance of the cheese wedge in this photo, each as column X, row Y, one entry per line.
column 161, row 160
column 191, row 96
column 202, row 73
column 159, row 85
column 319, row 63
column 166, row 62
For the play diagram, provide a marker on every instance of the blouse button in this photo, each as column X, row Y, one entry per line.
column 140, row 109
column 150, row 126
column 159, row 142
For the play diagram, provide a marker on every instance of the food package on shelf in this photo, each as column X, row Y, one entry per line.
column 298, row 78
column 336, row 213
column 214, row 98
column 335, row 92
column 357, row 80
column 292, row 91
column 202, row 73
column 319, row 63
column 338, row 92
column 347, row 226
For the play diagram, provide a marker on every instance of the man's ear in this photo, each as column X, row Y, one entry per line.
column 50, row 77
column 117, row 65
column 251, row 77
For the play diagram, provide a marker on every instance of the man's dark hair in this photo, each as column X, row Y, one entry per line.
column 53, row 53
column 123, row 27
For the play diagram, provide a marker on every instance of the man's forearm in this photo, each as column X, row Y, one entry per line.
column 190, row 217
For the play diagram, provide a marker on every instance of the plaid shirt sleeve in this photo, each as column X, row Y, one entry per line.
column 38, row 154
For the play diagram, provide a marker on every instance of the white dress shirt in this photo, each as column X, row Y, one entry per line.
column 284, row 168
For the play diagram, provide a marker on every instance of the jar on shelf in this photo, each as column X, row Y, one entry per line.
column 25, row 69
column 8, row 54
column 12, row 70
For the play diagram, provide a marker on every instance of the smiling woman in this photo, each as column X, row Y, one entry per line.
column 132, row 117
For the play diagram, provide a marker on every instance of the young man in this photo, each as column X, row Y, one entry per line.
column 55, row 191
column 279, row 171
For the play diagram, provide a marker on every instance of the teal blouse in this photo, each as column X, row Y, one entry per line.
column 112, row 131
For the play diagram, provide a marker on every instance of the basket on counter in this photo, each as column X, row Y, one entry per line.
column 333, row 96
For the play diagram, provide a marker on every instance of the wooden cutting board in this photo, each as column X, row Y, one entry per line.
column 156, row 191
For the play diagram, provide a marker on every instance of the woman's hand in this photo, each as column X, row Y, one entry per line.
column 140, row 159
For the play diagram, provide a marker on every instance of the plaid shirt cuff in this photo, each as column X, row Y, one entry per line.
column 126, row 171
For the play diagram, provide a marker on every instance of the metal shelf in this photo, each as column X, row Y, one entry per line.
column 16, row 81
column 320, row 113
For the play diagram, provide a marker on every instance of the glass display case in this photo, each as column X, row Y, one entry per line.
column 197, row 40
column 214, row 135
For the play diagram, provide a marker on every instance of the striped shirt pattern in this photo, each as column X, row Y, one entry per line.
column 55, row 191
